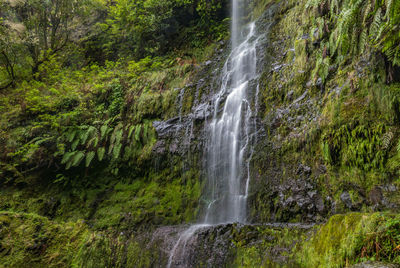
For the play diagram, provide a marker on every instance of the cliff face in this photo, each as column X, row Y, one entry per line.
column 326, row 110
column 326, row 118
column 329, row 125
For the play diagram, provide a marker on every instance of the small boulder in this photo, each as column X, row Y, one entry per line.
column 346, row 199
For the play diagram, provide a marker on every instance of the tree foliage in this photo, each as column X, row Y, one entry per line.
column 33, row 32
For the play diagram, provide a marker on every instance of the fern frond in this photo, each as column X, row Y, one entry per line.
column 71, row 135
column 75, row 144
column 367, row 12
column 110, row 148
column 100, row 153
column 387, row 140
column 363, row 40
column 77, row 158
column 137, row 132
column 103, row 131
column 117, row 150
column 389, row 4
column 66, row 157
column 398, row 146
column 131, row 129
column 89, row 158
column 118, row 136
column 93, row 142
column 88, row 133
column 376, row 23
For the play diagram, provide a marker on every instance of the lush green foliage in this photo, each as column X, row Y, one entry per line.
column 152, row 27
column 359, row 22
column 84, row 80
column 28, row 240
column 80, row 128
column 73, row 33
column 352, row 238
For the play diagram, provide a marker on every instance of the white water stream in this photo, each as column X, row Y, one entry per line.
column 228, row 151
column 228, row 177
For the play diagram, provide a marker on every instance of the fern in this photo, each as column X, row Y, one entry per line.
column 398, row 147
column 363, row 40
column 103, row 131
column 67, row 157
column 93, row 142
column 68, row 165
column 89, row 158
column 77, row 158
column 389, row 4
column 387, row 140
column 117, row 150
column 131, row 129
column 75, row 144
column 137, row 133
column 118, row 136
column 367, row 12
column 88, row 133
column 71, row 135
column 376, row 23
column 110, row 148
column 100, row 153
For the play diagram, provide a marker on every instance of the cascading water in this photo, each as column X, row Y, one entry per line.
column 228, row 179
column 228, row 151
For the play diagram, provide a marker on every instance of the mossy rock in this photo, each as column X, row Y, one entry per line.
column 352, row 238
column 29, row 240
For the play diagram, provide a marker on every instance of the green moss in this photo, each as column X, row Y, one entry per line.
column 162, row 198
column 28, row 240
column 352, row 238
column 271, row 246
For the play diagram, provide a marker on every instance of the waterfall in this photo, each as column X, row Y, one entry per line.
column 229, row 149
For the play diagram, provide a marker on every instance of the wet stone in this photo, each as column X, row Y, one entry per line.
column 346, row 199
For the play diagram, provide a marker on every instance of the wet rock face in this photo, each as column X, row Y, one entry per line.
column 284, row 191
column 346, row 199
column 223, row 245
column 185, row 133
column 383, row 196
column 298, row 198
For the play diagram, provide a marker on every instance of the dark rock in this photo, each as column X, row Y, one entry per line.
column 202, row 112
column 277, row 68
column 316, row 33
column 319, row 203
column 304, row 170
column 346, row 199
column 290, row 95
column 305, row 36
column 165, row 128
column 389, row 188
column 376, row 196
column 159, row 147
column 319, row 82
column 301, row 97
column 173, row 147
